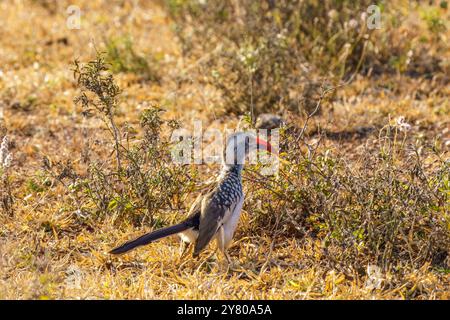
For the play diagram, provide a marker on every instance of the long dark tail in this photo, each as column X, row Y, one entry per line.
column 150, row 237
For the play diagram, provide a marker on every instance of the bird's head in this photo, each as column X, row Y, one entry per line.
column 241, row 144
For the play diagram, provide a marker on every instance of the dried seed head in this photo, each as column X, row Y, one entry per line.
column 353, row 24
column 3, row 150
column 7, row 161
column 4, row 144
column 333, row 14
column 402, row 124
column 5, row 155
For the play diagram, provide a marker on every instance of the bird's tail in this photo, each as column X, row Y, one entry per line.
column 150, row 237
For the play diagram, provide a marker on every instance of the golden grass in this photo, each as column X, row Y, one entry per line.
column 47, row 251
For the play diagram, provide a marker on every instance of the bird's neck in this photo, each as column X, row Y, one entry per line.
column 231, row 169
column 233, row 158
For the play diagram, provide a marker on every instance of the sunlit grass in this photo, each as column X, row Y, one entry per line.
column 309, row 233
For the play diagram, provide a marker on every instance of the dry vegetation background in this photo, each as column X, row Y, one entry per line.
column 359, row 209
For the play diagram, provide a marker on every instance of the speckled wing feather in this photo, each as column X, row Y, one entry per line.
column 211, row 216
column 194, row 212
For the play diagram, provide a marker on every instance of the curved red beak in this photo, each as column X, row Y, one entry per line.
column 263, row 144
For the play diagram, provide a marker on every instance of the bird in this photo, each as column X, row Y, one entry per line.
column 215, row 213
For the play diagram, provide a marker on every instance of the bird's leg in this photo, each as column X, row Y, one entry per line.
column 222, row 247
column 221, row 240
column 227, row 256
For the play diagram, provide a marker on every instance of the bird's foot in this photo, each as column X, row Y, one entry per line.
column 208, row 262
column 231, row 265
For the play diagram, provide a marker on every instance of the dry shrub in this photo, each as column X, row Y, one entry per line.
column 269, row 56
column 141, row 182
column 389, row 208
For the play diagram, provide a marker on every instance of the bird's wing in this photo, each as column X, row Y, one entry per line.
column 196, row 206
column 211, row 217
column 193, row 216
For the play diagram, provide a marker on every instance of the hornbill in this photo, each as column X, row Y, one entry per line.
column 215, row 213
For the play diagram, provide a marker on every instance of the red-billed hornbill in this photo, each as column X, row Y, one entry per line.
column 214, row 214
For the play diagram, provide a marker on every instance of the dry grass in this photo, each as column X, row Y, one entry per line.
column 310, row 233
